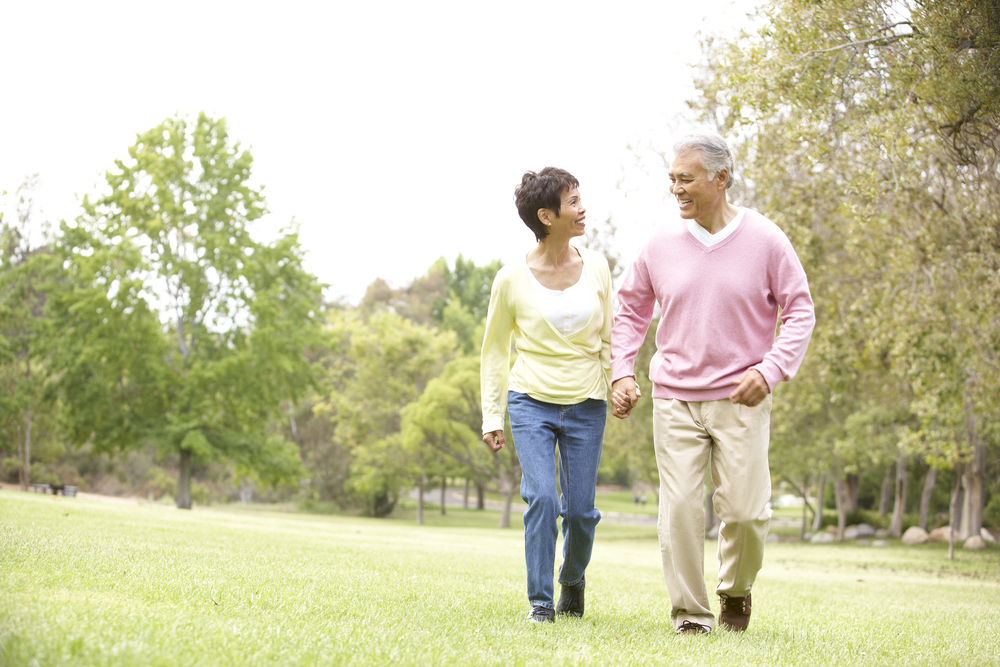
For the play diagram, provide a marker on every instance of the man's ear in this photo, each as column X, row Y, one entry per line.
column 723, row 177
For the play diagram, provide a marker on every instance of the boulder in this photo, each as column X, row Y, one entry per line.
column 772, row 538
column 975, row 542
column 882, row 532
column 915, row 535
column 880, row 543
column 714, row 533
column 987, row 535
column 860, row 530
column 941, row 534
column 823, row 538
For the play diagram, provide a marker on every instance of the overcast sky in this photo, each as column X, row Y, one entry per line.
column 392, row 132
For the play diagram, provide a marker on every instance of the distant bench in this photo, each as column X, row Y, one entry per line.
column 55, row 489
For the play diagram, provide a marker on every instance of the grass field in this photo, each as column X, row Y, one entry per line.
column 90, row 583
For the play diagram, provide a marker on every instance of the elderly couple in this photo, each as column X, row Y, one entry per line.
column 722, row 276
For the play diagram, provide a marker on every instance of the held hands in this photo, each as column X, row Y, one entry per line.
column 625, row 395
column 751, row 389
column 494, row 440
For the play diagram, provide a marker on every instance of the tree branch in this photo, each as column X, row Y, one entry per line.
column 889, row 39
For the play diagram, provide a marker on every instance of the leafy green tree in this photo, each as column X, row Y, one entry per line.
column 180, row 328
column 455, row 299
column 869, row 133
column 445, row 422
column 29, row 271
column 375, row 368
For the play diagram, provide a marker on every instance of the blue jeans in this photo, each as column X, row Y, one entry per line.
column 578, row 430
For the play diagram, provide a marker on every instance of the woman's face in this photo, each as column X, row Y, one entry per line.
column 572, row 216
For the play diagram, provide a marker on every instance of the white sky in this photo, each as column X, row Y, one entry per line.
column 393, row 132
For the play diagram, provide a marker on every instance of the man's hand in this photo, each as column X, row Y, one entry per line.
column 751, row 389
column 625, row 395
column 494, row 440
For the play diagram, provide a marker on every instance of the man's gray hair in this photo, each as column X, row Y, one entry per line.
column 715, row 153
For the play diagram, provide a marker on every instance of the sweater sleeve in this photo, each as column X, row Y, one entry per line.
column 606, row 298
column 495, row 359
column 791, row 290
column 636, row 303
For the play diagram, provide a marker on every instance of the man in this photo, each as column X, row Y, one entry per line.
column 720, row 275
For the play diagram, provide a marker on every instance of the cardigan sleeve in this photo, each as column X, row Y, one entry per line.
column 606, row 299
column 496, row 357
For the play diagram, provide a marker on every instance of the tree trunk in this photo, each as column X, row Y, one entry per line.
column 899, row 509
column 953, row 510
column 465, row 496
column 184, row 481
column 841, row 495
column 20, row 457
column 507, row 491
column 883, row 501
column 294, row 426
column 444, row 492
column 420, row 499
column 27, row 430
column 805, row 506
column 480, row 496
column 853, row 485
column 820, row 499
column 925, row 496
column 978, row 477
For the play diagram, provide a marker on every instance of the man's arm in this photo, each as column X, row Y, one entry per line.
column 791, row 291
column 636, row 303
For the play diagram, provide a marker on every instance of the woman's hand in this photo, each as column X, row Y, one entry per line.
column 625, row 394
column 494, row 440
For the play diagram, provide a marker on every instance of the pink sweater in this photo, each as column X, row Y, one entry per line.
column 719, row 309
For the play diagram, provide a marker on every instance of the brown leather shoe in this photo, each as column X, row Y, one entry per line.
column 692, row 628
column 735, row 613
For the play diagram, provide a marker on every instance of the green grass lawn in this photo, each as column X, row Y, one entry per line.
column 91, row 583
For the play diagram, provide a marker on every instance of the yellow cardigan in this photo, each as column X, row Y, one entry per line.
column 549, row 367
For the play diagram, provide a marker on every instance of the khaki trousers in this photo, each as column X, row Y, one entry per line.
column 687, row 435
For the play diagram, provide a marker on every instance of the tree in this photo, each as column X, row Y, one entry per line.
column 181, row 329
column 446, row 423
column 28, row 272
column 869, row 132
column 375, row 367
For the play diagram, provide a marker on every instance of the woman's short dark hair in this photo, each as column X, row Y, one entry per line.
column 542, row 190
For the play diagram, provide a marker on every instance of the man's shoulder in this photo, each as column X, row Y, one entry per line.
column 763, row 227
column 666, row 233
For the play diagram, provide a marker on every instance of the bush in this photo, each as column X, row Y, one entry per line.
column 991, row 513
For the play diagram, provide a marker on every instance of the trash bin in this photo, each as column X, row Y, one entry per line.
column 69, row 491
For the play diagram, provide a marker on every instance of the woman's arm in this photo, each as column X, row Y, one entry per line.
column 495, row 367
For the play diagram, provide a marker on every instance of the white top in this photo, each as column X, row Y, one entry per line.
column 710, row 239
column 568, row 310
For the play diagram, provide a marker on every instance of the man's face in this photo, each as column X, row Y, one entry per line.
column 697, row 195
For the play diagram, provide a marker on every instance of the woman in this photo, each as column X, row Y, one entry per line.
column 557, row 306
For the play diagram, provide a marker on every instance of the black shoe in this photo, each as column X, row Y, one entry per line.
column 692, row 628
column 571, row 599
column 541, row 615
